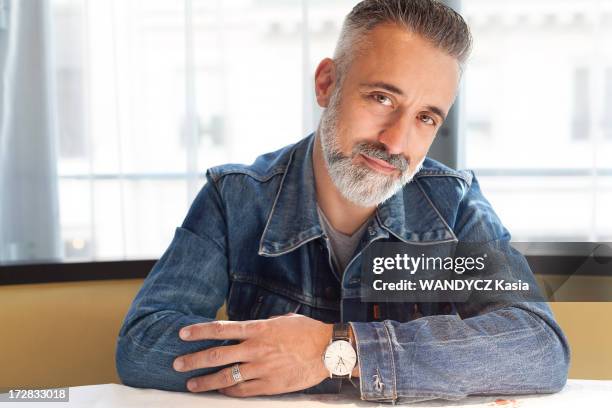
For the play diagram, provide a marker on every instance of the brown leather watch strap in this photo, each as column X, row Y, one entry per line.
column 341, row 332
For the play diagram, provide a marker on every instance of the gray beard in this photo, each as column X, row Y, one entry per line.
column 358, row 183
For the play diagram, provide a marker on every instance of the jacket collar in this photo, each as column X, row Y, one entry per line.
column 409, row 215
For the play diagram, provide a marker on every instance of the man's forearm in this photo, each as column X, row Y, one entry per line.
column 505, row 351
column 145, row 353
column 183, row 288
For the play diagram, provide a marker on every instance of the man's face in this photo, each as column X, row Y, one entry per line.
column 378, row 127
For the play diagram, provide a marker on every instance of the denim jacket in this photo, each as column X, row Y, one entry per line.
column 252, row 239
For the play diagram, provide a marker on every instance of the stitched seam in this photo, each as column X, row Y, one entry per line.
column 419, row 242
column 393, row 374
column 203, row 239
column 497, row 391
column 223, row 210
column 361, row 374
column 432, row 174
column 246, row 172
column 308, row 300
column 389, row 231
column 282, row 182
column 436, row 210
column 291, row 247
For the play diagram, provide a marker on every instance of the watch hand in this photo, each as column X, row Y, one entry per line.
column 342, row 361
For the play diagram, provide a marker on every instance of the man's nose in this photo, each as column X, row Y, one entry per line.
column 395, row 134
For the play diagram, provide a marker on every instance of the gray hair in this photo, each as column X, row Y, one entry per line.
column 434, row 21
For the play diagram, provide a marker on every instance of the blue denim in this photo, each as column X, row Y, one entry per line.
column 252, row 239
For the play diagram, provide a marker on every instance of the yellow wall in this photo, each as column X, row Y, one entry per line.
column 62, row 334
column 588, row 327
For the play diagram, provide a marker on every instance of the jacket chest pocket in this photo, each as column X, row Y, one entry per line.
column 268, row 304
column 248, row 301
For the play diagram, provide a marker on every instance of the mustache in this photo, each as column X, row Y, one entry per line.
column 379, row 151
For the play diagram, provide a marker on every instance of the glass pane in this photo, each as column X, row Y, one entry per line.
column 543, row 208
column 153, row 209
column 539, row 108
column 603, row 205
column 108, row 232
column 536, row 105
column 248, row 78
column 76, row 219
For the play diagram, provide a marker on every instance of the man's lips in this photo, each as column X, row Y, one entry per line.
column 379, row 165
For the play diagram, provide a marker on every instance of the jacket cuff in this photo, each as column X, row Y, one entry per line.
column 377, row 380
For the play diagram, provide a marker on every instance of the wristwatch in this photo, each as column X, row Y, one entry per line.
column 340, row 357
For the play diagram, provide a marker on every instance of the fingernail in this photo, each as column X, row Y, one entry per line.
column 178, row 364
column 185, row 333
column 191, row 384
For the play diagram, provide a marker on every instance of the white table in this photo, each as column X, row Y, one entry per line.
column 577, row 393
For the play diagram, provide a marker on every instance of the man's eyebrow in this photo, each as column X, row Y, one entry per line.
column 394, row 89
column 385, row 86
column 437, row 111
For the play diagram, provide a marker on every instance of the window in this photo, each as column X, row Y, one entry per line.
column 537, row 109
column 152, row 93
column 149, row 94
column 607, row 120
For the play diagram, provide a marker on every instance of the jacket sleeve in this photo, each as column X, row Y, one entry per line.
column 497, row 347
column 187, row 285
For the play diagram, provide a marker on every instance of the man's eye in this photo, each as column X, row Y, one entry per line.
column 428, row 120
column 382, row 99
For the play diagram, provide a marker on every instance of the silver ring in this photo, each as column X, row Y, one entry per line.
column 236, row 373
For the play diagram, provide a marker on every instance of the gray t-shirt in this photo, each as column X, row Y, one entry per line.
column 342, row 247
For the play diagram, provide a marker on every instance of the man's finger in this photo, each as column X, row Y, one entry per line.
column 286, row 314
column 214, row 357
column 220, row 330
column 223, row 378
column 250, row 388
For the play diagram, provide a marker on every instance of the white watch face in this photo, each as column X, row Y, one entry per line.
column 340, row 357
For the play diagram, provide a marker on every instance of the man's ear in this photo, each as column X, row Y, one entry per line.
column 325, row 81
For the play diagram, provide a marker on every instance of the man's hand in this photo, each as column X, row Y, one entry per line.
column 277, row 355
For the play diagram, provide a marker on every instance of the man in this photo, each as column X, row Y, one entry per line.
column 281, row 241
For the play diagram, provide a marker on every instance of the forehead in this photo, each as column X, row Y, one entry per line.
column 395, row 55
